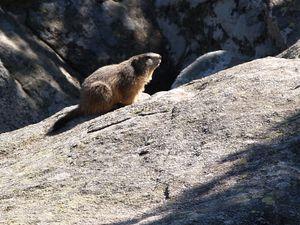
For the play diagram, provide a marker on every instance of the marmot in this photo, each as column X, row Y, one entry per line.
column 112, row 85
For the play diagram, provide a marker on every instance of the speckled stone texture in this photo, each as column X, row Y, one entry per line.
column 220, row 150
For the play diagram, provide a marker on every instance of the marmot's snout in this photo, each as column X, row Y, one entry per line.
column 157, row 60
column 154, row 59
column 145, row 62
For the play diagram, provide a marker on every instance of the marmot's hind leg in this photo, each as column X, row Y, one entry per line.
column 97, row 99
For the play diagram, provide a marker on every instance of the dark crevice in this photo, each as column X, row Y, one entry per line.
column 152, row 113
column 297, row 87
column 167, row 192
column 144, row 152
column 19, row 83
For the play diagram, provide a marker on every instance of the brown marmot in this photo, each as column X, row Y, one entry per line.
column 109, row 86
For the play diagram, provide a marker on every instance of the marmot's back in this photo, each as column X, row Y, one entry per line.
column 105, row 73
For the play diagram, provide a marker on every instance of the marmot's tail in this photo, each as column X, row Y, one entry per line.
column 63, row 120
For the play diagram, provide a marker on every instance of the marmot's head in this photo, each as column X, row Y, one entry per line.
column 145, row 63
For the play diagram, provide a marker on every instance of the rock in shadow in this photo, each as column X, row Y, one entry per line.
column 71, row 124
column 259, row 185
column 71, row 119
column 40, row 81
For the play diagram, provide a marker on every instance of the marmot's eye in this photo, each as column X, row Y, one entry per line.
column 149, row 61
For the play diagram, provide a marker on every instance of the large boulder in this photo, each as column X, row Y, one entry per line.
column 35, row 81
column 194, row 28
column 15, row 110
column 286, row 15
column 208, row 64
column 89, row 34
column 292, row 52
column 220, row 150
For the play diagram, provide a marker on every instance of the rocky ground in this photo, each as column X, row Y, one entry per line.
column 220, row 150
column 48, row 47
column 221, row 147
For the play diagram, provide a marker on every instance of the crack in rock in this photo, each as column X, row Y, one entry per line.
column 152, row 113
column 107, row 125
column 91, row 129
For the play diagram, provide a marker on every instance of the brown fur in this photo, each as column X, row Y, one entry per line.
column 118, row 84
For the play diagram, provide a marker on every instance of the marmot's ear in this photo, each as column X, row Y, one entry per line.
column 138, row 66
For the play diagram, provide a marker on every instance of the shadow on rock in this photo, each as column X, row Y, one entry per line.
column 259, row 185
column 40, row 81
column 76, row 120
column 71, row 124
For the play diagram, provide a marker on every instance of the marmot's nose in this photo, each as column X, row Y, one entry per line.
column 158, row 61
column 158, row 57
